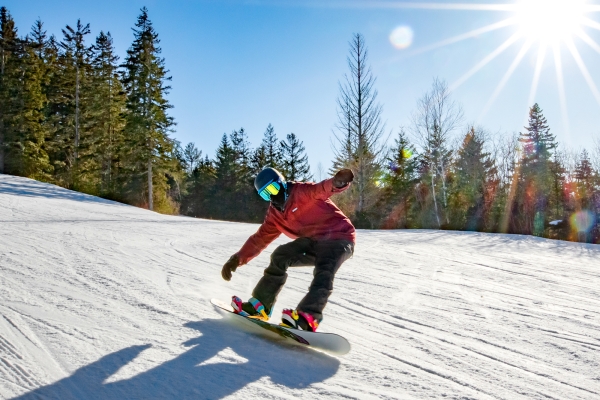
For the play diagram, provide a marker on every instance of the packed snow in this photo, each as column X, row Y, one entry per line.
column 100, row 300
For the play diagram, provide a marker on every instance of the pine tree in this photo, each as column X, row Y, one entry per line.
column 226, row 180
column 473, row 177
column 258, row 159
column 398, row 184
column 360, row 132
column 77, row 54
column 102, row 139
column 294, row 160
column 248, row 205
column 268, row 154
column 199, row 201
column 241, row 147
column 23, row 103
column 535, row 179
column 147, row 124
column 8, row 64
column 69, row 72
column 192, row 157
column 585, row 181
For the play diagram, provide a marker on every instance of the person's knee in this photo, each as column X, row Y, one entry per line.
column 279, row 259
column 323, row 280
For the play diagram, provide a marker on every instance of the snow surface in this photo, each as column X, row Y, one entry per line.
column 100, row 300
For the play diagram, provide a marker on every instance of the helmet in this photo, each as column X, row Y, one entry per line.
column 269, row 181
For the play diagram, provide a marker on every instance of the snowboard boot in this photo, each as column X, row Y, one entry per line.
column 299, row 320
column 251, row 308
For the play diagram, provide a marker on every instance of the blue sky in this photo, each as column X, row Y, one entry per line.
column 250, row 63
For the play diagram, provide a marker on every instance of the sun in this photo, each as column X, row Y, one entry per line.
column 550, row 21
column 554, row 29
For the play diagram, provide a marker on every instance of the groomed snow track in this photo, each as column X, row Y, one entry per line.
column 99, row 300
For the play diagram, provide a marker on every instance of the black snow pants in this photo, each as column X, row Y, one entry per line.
column 326, row 256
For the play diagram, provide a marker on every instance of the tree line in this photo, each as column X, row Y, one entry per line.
column 72, row 114
column 443, row 174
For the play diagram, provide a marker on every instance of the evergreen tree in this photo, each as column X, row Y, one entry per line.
column 103, row 139
column 77, row 56
column 249, row 206
column 199, row 201
column 241, row 147
column 585, row 181
column 535, row 180
column 226, row 180
column 473, row 179
column 360, row 132
column 258, row 159
column 8, row 65
column 69, row 72
column 192, row 157
column 149, row 148
column 268, row 154
column 23, row 106
column 398, row 184
column 294, row 160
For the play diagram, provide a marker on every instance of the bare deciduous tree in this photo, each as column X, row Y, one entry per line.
column 359, row 129
column 436, row 118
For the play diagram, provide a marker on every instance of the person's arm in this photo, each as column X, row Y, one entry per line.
column 325, row 189
column 255, row 244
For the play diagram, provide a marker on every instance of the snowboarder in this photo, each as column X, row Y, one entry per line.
column 324, row 238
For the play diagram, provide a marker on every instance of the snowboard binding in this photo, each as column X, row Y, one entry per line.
column 299, row 320
column 253, row 308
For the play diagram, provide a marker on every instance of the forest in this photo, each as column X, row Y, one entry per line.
column 74, row 114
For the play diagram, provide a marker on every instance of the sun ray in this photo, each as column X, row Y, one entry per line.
column 586, row 38
column 561, row 88
column 423, row 5
column 536, row 75
column 485, row 61
column 465, row 36
column 584, row 70
column 505, row 78
column 591, row 23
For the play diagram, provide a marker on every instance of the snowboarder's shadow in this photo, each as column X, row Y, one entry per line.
column 194, row 373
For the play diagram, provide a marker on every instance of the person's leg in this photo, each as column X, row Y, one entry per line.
column 330, row 255
column 300, row 252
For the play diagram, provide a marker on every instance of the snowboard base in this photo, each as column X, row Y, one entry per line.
column 327, row 342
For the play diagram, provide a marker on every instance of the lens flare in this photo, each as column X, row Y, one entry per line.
column 582, row 221
column 402, row 37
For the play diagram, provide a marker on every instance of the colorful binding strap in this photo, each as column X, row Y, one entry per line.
column 312, row 322
column 236, row 304
column 290, row 319
column 258, row 306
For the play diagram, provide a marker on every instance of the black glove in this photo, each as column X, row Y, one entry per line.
column 343, row 178
column 230, row 266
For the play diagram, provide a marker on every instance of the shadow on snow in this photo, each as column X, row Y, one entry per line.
column 183, row 377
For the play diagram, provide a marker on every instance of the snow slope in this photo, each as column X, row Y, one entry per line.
column 100, row 300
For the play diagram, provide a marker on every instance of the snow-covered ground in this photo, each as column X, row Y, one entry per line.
column 99, row 300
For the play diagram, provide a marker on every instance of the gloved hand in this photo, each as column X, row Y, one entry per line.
column 230, row 266
column 343, row 178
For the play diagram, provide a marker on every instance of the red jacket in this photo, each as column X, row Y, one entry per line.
column 308, row 213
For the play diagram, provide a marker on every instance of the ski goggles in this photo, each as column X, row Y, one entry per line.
column 271, row 188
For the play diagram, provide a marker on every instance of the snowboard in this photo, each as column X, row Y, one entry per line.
column 326, row 342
